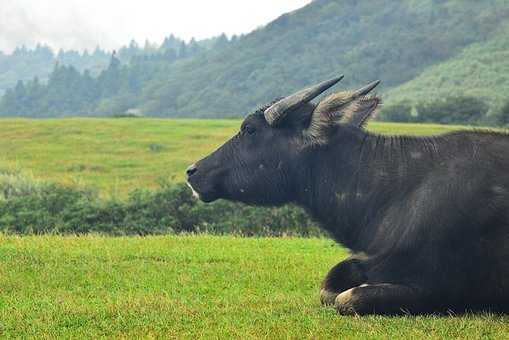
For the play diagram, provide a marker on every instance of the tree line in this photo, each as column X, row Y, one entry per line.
column 113, row 90
column 28, row 63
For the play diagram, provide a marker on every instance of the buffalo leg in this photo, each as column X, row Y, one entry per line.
column 343, row 276
column 384, row 299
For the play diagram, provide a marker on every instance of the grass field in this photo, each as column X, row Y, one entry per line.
column 179, row 286
column 191, row 287
column 118, row 155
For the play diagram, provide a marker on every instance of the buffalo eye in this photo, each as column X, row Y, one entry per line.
column 248, row 129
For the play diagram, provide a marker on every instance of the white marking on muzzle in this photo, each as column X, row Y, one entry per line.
column 195, row 193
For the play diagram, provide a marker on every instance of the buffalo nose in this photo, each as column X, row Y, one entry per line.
column 191, row 170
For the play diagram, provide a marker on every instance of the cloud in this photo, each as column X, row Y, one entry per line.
column 84, row 24
column 55, row 23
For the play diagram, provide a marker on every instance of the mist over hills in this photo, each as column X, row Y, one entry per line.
column 28, row 63
column 419, row 48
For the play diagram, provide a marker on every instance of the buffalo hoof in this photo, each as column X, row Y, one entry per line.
column 327, row 298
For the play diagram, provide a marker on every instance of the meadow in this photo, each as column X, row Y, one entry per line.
column 188, row 287
column 119, row 155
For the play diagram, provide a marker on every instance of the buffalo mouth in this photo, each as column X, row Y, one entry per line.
column 206, row 196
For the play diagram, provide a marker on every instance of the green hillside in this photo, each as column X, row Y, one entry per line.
column 390, row 40
column 480, row 70
column 119, row 155
column 365, row 40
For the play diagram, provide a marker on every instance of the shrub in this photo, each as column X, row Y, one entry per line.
column 29, row 206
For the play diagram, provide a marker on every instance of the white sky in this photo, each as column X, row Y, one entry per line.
column 80, row 24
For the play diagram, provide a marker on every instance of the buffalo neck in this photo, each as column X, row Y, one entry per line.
column 354, row 179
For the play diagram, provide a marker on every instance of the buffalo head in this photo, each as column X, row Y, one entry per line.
column 264, row 162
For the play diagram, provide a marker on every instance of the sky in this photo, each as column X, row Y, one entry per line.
column 84, row 24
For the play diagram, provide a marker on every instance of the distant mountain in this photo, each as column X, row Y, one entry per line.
column 396, row 41
column 391, row 40
column 26, row 64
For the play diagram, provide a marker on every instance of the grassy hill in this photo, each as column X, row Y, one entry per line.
column 192, row 287
column 118, row 155
column 480, row 70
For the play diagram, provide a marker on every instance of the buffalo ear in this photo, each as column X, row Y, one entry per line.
column 360, row 111
column 350, row 107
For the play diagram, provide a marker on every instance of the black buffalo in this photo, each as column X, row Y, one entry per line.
column 426, row 218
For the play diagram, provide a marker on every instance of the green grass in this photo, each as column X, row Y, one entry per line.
column 118, row 155
column 189, row 287
column 115, row 155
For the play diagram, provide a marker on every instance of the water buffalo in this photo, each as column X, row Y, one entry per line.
column 426, row 218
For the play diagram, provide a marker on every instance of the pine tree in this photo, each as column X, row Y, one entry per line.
column 221, row 42
column 109, row 79
column 183, row 53
column 170, row 43
column 193, row 48
column 170, row 55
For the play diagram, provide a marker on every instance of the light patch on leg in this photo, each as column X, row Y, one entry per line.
column 195, row 193
column 345, row 302
column 345, row 298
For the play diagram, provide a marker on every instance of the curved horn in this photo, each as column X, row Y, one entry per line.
column 365, row 90
column 276, row 112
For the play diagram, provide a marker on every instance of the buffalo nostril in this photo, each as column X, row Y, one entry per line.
column 191, row 170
